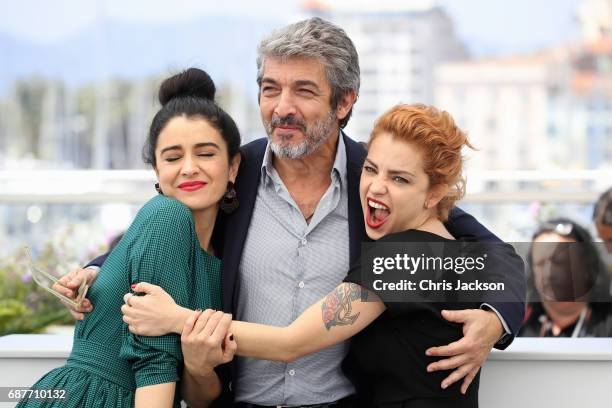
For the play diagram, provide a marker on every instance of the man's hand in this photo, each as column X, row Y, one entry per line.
column 153, row 314
column 206, row 343
column 481, row 330
column 68, row 285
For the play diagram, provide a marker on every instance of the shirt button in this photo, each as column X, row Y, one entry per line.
column 292, row 372
column 301, row 284
column 304, row 241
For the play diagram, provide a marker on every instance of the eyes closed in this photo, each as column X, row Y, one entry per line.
column 174, row 157
column 205, row 150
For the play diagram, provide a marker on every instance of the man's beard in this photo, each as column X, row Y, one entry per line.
column 314, row 136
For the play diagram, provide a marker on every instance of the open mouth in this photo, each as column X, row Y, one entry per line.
column 378, row 213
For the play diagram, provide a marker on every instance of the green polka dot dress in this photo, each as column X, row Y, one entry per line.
column 107, row 362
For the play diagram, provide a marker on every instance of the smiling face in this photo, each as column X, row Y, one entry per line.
column 192, row 163
column 295, row 106
column 394, row 189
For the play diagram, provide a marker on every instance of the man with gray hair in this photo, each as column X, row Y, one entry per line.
column 299, row 226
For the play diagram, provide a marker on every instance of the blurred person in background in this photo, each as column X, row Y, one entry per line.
column 568, row 288
column 602, row 218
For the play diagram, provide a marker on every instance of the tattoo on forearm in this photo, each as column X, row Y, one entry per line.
column 337, row 307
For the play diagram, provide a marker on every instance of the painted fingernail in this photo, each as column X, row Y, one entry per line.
column 231, row 337
column 133, row 286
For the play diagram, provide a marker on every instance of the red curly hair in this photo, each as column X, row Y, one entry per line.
column 438, row 138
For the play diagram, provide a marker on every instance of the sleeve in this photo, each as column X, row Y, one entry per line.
column 354, row 274
column 464, row 226
column 161, row 256
column 98, row 262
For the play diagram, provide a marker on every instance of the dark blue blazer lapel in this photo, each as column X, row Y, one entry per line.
column 234, row 227
column 355, row 155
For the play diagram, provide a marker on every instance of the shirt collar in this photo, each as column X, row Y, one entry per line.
column 339, row 167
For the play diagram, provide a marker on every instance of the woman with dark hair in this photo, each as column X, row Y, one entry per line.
column 568, row 286
column 193, row 147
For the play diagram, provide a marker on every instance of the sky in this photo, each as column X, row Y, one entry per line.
column 488, row 26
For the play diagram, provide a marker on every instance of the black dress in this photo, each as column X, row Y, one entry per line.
column 387, row 361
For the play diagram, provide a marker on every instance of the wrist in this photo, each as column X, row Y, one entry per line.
column 200, row 374
column 92, row 273
column 496, row 324
column 180, row 316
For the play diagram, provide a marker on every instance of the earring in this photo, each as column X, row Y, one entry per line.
column 229, row 203
column 158, row 189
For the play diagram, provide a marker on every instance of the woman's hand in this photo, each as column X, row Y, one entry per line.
column 206, row 343
column 154, row 313
column 68, row 284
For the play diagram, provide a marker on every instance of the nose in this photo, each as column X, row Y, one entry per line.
column 189, row 168
column 285, row 105
column 378, row 186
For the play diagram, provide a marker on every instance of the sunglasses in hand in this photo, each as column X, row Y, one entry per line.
column 48, row 282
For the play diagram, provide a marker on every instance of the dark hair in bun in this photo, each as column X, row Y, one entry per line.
column 192, row 82
column 190, row 93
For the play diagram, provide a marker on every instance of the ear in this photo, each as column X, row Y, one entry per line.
column 234, row 165
column 346, row 104
column 436, row 193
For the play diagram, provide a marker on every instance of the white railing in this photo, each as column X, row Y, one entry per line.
column 532, row 372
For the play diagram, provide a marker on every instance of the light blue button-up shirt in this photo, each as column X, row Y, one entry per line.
column 286, row 266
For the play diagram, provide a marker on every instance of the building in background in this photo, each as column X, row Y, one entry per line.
column 399, row 42
column 595, row 17
column 506, row 105
column 547, row 110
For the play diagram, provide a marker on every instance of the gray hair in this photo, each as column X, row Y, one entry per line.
column 320, row 39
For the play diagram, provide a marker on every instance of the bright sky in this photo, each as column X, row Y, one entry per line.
column 48, row 21
column 516, row 25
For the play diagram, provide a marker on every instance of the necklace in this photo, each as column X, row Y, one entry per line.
column 547, row 325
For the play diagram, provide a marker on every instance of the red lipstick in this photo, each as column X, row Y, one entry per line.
column 371, row 220
column 191, row 185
